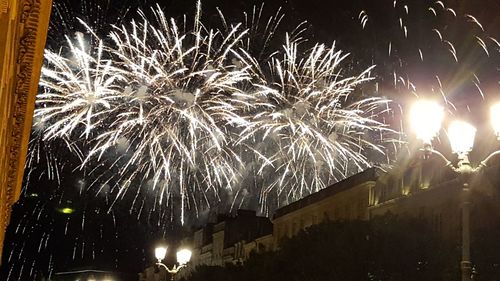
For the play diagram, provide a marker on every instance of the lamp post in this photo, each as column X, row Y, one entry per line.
column 183, row 257
column 426, row 119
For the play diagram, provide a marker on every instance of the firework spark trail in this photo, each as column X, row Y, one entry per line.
column 192, row 116
column 45, row 157
column 443, row 22
column 312, row 128
column 150, row 88
column 79, row 90
column 181, row 98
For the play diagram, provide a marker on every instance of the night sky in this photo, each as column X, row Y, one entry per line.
column 111, row 235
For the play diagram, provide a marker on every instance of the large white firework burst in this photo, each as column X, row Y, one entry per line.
column 190, row 109
column 184, row 104
column 317, row 124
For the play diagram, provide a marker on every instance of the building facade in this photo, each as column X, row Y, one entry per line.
column 23, row 31
column 429, row 190
column 234, row 239
column 423, row 189
column 231, row 239
column 345, row 200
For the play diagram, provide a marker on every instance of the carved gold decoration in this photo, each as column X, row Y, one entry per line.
column 26, row 32
column 4, row 4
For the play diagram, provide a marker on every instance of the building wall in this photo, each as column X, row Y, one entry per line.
column 420, row 189
column 233, row 239
column 347, row 205
column 346, row 200
column 261, row 244
column 23, row 31
column 430, row 191
column 439, row 205
column 229, row 237
column 218, row 243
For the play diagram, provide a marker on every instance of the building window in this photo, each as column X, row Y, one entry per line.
column 371, row 196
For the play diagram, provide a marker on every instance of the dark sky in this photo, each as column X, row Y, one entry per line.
column 42, row 239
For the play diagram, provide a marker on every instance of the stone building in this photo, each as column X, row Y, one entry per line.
column 23, row 31
column 422, row 188
column 226, row 240
column 233, row 239
column 428, row 190
column 229, row 240
column 345, row 200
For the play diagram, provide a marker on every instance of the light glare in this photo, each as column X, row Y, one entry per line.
column 461, row 135
column 160, row 252
column 495, row 118
column 183, row 256
column 66, row 210
column 426, row 118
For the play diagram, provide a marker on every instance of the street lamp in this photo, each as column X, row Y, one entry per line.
column 426, row 118
column 495, row 119
column 183, row 257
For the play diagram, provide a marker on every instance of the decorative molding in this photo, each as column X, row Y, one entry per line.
column 27, row 42
column 28, row 8
column 30, row 35
column 4, row 5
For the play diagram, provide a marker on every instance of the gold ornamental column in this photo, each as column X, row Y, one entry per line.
column 23, row 32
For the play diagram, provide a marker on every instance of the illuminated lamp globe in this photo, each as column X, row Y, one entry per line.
column 426, row 118
column 461, row 135
column 160, row 253
column 183, row 256
column 495, row 119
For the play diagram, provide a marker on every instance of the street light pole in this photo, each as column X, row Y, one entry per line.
column 427, row 118
column 183, row 257
column 465, row 172
column 465, row 264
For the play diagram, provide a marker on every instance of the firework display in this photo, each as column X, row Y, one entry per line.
column 167, row 119
column 190, row 106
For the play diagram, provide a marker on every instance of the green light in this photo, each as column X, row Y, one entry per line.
column 66, row 210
